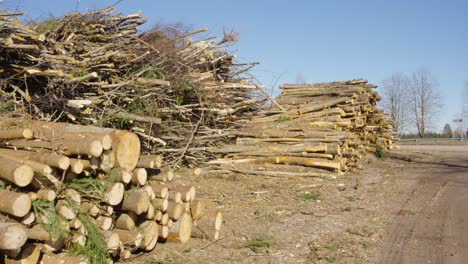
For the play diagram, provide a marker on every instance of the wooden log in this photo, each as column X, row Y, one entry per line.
column 37, row 232
column 175, row 196
column 126, row 221
column 107, row 160
column 30, row 254
column 136, row 201
column 77, row 166
column 15, row 204
column 187, row 192
column 12, row 235
column 209, row 225
column 16, row 172
column 175, row 210
column 150, row 162
column 115, row 194
column 164, row 219
column 16, row 133
column 150, row 232
column 46, row 194
column 160, row 204
column 28, row 219
column 197, row 208
column 65, row 210
column 132, row 238
column 150, row 213
column 112, row 239
column 92, row 148
column 120, row 174
column 139, row 176
column 163, row 231
column 162, row 174
column 104, row 222
column 181, row 230
column 160, row 191
column 51, row 159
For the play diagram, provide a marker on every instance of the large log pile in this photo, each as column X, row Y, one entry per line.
column 311, row 128
column 175, row 90
column 87, row 190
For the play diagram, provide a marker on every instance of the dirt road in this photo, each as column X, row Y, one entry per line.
column 432, row 224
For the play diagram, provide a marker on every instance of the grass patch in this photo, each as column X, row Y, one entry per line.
column 331, row 246
column 331, row 259
column 379, row 153
column 259, row 243
column 283, row 118
column 309, row 196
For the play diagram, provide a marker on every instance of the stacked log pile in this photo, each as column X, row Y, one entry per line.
column 323, row 126
column 88, row 191
column 175, row 90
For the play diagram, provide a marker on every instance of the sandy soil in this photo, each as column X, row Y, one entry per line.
column 393, row 211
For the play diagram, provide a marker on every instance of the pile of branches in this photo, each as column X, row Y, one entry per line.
column 180, row 93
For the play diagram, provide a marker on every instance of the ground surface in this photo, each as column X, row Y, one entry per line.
column 393, row 211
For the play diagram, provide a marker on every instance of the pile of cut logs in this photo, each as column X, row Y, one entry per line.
column 88, row 191
column 311, row 128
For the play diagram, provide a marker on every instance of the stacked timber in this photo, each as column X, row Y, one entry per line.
column 311, row 128
column 173, row 88
column 88, row 191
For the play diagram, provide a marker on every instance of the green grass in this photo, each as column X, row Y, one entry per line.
column 331, row 259
column 331, row 246
column 379, row 153
column 259, row 243
column 283, row 118
column 309, row 196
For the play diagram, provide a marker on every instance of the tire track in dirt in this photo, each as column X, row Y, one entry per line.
column 432, row 225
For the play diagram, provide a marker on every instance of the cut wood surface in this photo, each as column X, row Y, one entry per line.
column 12, row 235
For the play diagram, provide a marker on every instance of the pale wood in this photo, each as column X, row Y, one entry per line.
column 15, row 204
column 30, row 254
column 112, row 239
column 104, row 222
column 164, row 219
column 187, row 192
column 150, row 231
column 150, row 161
column 126, row 221
column 107, row 161
column 136, row 201
column 175, row 210
column 181, row 230
column 132, row 238
column 197, row 208
column 139, row 176
column 161, row 174
column 51, row 159
column 163, row 231
column 175, row 196
column 77, row 165
column 160, row 204
column 15, row 171
column 209, row 225
column 12, row 235
column 115, row 194
column 65, row 210
column 92, row 148
column 160, row 191
column 37, row 232
column 46, row 194
column 16, row 133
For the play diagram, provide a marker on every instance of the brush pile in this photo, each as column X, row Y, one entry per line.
column 176, row 91
column 86, row 190
column 310, row 129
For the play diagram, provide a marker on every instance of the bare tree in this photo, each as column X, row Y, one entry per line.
column 395, row 93
column 425, row 100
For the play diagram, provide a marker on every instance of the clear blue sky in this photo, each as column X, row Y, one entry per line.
column 321, row 40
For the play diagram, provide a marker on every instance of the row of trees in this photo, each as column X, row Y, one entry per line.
column 413, row 100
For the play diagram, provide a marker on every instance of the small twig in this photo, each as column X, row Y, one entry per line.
column 209, row 244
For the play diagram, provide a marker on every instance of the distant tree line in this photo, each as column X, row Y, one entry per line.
column 412, row 100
